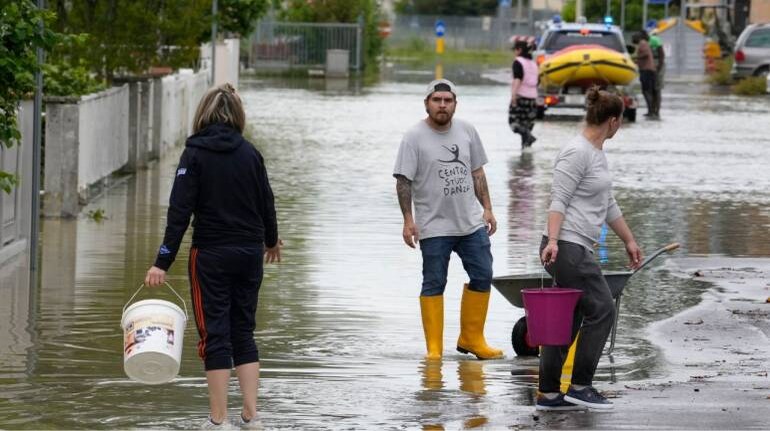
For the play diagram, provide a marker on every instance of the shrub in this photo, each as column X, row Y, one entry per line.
column 62, row 79
column 721, row 75
column 417, row 44
column 751, row 86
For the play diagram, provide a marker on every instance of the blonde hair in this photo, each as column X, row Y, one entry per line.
column 220, row 105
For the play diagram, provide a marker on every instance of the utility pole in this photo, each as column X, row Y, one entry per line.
column 680, row 37
column 37, row 140
column 623, row 15
column 213, row 42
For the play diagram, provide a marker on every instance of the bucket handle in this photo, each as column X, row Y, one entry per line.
column 542, row 278
column 184, row 304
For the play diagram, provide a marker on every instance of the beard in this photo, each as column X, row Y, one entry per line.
column 441, row 118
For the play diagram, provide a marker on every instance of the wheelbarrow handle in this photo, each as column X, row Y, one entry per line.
column 671, row 247
column 667, row 249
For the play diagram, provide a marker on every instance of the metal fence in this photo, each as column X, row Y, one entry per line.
column 468, row 32
column 462, row 32
column 286, row 45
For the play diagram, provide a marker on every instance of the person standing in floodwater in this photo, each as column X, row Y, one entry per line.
column 581, row 202
column 522, row 110
column 221, row 180
column 659, row 55
column 644, row 60
column 440, row 166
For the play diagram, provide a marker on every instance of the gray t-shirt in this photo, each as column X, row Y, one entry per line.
column 439, row 165
column 582, row 191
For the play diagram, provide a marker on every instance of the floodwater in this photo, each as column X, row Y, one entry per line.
column 338, row 321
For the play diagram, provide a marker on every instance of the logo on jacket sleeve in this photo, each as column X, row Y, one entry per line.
column 164, row 250
column 181, row 171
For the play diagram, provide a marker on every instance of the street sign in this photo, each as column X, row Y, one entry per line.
column 658, row 1
column 440, row 28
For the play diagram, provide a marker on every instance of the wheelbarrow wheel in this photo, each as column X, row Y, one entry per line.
column 519, row 340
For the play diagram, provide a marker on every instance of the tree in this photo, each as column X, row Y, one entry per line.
column 131, row 36
column 595, row 10
column 447, row 7
column 238, row 17
column 20, row 33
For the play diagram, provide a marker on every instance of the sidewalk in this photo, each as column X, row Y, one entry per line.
column 718, row 353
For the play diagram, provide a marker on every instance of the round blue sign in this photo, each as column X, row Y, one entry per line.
column 440, row 28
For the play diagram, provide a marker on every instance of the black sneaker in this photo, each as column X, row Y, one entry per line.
column 588, row 397
column 556, row 404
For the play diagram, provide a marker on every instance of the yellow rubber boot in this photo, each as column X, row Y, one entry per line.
column 473, row 315
column 433, row 325
column 566, row 369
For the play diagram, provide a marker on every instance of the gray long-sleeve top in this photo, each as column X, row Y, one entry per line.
column 582, row 191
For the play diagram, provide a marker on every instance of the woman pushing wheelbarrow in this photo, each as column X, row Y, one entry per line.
column 581, row 202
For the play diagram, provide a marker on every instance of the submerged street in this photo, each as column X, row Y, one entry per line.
column 338, row 323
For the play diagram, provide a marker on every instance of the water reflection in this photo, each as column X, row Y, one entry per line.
column 16, row 314
column 524, row 211
column 432, row 377
column 471, row 376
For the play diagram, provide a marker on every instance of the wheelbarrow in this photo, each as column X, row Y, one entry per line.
column 510, row 287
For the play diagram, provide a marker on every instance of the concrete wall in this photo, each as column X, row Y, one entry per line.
column 228, row 64
column 103, row 135
column 179, row 99
column 61, row 159
column 16, row 207
column 196, row 87
column 121, row 129
column 88, row 139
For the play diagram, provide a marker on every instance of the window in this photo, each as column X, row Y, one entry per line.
column 562, row 39
column 759, row 39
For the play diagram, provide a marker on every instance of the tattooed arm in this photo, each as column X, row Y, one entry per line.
column 404, row 191
column 482, row 194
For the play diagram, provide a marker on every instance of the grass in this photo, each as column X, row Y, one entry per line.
column 751, row 86
column 419, row 51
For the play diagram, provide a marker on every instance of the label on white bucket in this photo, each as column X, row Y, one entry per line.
column 153, row 332
column 149, row 333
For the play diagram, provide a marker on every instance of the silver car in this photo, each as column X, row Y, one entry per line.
column 752, row 52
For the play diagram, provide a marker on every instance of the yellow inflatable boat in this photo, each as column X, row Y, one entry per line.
column 585, row 65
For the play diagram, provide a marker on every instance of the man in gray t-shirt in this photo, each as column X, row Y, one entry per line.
column 440, row 168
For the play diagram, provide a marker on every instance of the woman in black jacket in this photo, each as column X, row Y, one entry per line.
column 221, row 180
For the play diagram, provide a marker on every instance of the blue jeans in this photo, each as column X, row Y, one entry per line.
column 474, row 251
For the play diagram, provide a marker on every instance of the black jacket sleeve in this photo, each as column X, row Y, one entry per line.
column 268, row 206
column 518, row 70
column 184, row 195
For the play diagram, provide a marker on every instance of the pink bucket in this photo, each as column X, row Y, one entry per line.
column 549, row 314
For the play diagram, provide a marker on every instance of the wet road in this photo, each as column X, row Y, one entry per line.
column 338, row 321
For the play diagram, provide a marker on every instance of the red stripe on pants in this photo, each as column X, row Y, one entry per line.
column 200, row 320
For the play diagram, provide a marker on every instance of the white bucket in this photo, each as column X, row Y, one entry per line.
column 153, row 331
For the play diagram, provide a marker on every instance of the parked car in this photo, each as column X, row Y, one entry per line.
column 752, row 52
